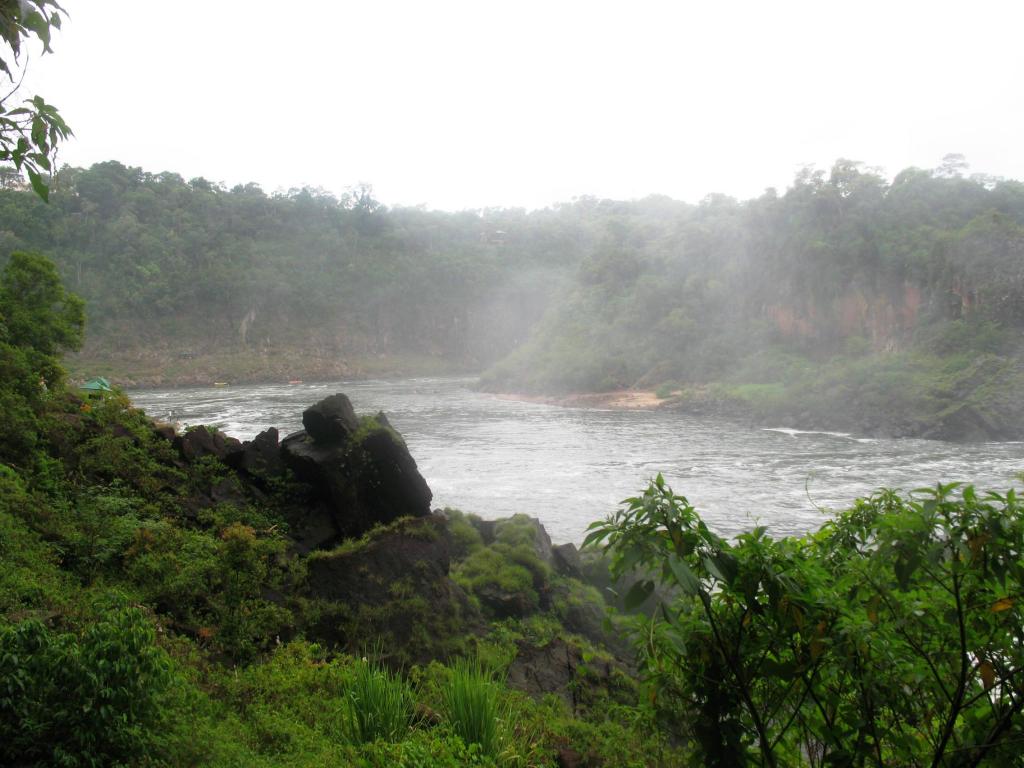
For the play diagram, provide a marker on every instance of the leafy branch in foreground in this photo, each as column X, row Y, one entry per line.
column 29, row 134
column 892, row 636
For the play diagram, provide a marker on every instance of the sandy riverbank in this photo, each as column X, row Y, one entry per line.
column 626, row 399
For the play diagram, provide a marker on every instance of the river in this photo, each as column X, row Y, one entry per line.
column 570, row 466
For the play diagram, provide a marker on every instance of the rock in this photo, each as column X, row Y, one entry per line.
column 565, row 559
column 165, row 431
column 364, row 483
column 541, row 542
column 312, row 528
column 486, row 528
column 388, row 483
column 310, row 461
column 201, row 441
column 365, row 573
column 546, row 669
column 512, row 528
column 228, row 491
column 332, row 420
column 504, row 603
column 393, row 587
column 259, row 457
column 558, row 668
column 579, row 614
column 383, row 420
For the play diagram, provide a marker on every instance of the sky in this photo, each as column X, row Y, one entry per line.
column 457, row 105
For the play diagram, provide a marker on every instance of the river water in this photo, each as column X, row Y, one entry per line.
column 571, row 466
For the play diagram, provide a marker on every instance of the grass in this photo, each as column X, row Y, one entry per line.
column 378, row 706
column 472, row 705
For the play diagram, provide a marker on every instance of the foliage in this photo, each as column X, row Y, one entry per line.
column 890, row 637
column 29, row 134
column 507, row 576
column 88, row 700
column 473, row 706
column 465, row 536
column 378, row 705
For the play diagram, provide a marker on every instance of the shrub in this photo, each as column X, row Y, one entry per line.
column 465, row 537
column 666, row 389
column 93, row 700
column 378, row 706
column 891, row 636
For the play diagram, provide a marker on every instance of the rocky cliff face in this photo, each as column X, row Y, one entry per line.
column 882, row 318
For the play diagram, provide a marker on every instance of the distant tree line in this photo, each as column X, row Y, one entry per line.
column 592, row 294
column 198, row 267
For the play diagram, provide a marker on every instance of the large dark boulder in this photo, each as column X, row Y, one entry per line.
column 332, row 420
column 362, row 471
column 312, row 527
column 388, row 484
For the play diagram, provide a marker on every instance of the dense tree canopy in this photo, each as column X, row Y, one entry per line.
column 893, row 292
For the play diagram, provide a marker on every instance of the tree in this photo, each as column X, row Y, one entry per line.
column 36, row 312
column 952, row 167
column 38, row 320
column 890, row 637
column 30, row 132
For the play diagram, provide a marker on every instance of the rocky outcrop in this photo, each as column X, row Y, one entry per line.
column 565, row 559
column 331, row 421
column 394, row 586
column 204, row 441
column 550, row 668
column 360, row 471
column 259, row 458
column 352, row 473
column 558, row 668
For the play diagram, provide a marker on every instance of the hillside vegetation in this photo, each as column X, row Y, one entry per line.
column 846, row 301
column 176, row 271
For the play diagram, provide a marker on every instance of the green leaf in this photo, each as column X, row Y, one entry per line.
column 38, row 185
column 637, row 594
column 685, row 577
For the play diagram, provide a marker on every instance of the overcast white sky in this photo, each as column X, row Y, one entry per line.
column 472, row 104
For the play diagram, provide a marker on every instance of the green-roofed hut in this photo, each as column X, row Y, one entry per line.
column 99, row 384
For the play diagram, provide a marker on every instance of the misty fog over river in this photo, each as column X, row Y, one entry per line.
column 570, row 466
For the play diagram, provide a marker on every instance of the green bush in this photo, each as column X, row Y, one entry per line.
column 88, row 700
column 465, row 536
column 490, row 573
column 891, row 636
column 666, row 389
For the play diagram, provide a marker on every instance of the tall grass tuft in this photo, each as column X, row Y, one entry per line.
column 379, row 705
column 472, row 705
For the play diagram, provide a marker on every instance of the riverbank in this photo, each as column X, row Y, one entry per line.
column 159, row 368
column 964, row 398
column 623, row 399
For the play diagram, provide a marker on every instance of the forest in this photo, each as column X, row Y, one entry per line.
column 846, row 301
